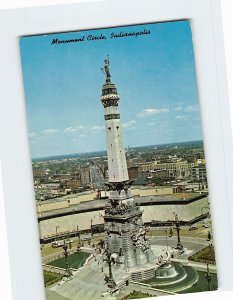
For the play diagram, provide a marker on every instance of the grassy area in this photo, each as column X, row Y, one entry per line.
column 202, row 285
column 47, row 250
column 205, row 255
column 51, row 278
column 75, row 260
column 137, row 295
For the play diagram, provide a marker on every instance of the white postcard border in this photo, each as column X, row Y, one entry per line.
column 22, row 232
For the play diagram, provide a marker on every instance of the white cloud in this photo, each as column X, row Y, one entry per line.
column 129, row 124
column 152, row 111
column 191, row 108
column 50, row 131
column 150, row 124
column 70, row 129
column 97, row 128
column 178, row 108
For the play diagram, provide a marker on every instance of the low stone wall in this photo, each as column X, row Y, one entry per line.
column 68, row 223
column 53, row 269
column 146, row 288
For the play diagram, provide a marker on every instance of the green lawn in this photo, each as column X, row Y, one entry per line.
column 51, row 278
column 137, row 295
column 206, row 255
column 202, row 284
column 75, row 260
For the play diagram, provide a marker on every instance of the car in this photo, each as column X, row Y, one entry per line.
column 86, row 238
column 57, row 244
column 207, row 225
column 191, row 228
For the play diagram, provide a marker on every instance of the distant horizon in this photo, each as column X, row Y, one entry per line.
column 105, row 150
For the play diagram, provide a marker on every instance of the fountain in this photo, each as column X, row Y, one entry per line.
column 165, row 268
column 172, row 276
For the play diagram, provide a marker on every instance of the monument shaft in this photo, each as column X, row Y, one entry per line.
column 125, row 232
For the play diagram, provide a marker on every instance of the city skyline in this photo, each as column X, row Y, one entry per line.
column 154, row 74
column 85, row 154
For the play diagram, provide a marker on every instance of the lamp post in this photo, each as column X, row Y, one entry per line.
column 183, row 191
column 78, row 234
column 79, row 242
column 57, row 232
column 68, row 272
column 208, row 276
column 109, row 279
column 179, row 246
column 170, row 232
column 91, row 227
column 166, row 238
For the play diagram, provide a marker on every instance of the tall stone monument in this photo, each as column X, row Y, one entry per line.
column 126, row 237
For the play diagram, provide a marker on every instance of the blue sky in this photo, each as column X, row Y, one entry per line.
column 154, row 74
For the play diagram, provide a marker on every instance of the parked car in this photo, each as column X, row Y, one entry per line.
column 207, row 225
column 86, row 238
column 192, row 228
column 57, row 244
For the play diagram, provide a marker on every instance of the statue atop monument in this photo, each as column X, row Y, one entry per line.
column 105, row 69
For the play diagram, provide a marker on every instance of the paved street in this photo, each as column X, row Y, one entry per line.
column 50, row 295
column 192, row 244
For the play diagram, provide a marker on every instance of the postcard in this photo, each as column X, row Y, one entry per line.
column 118, row 162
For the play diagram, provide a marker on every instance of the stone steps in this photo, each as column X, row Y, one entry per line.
column 77, row 289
